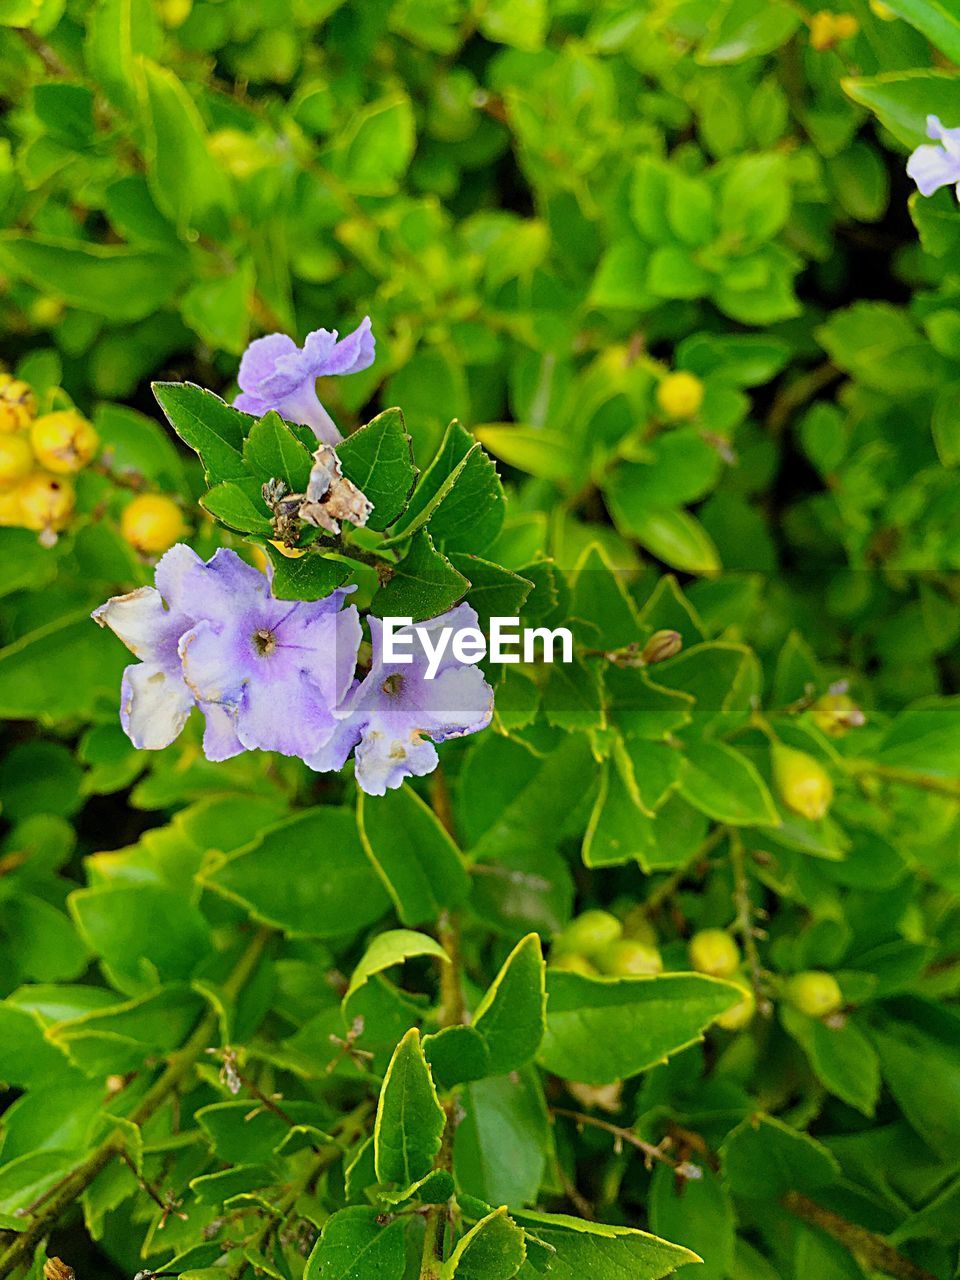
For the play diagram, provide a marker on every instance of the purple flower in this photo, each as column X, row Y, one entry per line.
column 278, row 668
column 390, row 715
column 155, row 700
column 277, row 374
column 934, row 167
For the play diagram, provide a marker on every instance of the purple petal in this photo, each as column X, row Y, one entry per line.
column 332, row 757
column 932, row 168
column 220, row 741
column 303, row 405
column 326, row 646
column 459, row 701
column 289, row 715
column 210, row 667
column 140, row 620
column 949, row 138
column 219, row 589
column 251, row 404
column 351, row 354
column 259, row 362
column 383, row 762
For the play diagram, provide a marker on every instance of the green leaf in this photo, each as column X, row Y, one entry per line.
column 842, row 1058
column 602, row 1252
column 376, row 149
column 424, row 584
column 938, row 20
column 211, row 428
column 902, row 100
column 520, row 23
column 185, row 181
column 675, row 537
column 763, row 1159
column 457, row 1054
column 511, row 1016
column 417, row 860
column 726, row 786
column 494, row 592
column 605, row 1029
column 742, row 29
column 117, row 32
column 238, row 505
column 501, row 1145
column 307, row 876
column 494, row 1249
column 392, row 948
column 924, row 739
column 308, row 577
column 919, row 1051
column 697, row 1213
column 272, row 451
column 539, row 451
column 110, row 280
column 379, row 460
column 65, row 668
column 410, row 1120
column 459, row 495
column 355, row 1245
column 119, row 924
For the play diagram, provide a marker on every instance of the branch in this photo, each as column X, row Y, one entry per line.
column 867, row 1247
column 178, row 1067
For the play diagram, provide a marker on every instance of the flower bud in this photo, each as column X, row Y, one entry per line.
column 628, row 958
column 714, row 952
column 814, row 993
column 64, row 441
column 803, row 783
column 46, row 502
column 152, row 523
column 680, row 394
column 16, row 460
column 740, row 1015
column 18, row 404
column 836, row 713
column 662, row 645
column 589, row 933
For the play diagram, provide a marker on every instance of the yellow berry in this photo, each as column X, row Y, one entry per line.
column 881, row 10
column 46, row 312
column 589, row 933
column 18, row 404
column 680, row 395
column 814, row 993
column 238, row 152
column 573, row 962
column 828, row 29
column 16, row 460
column 46, row 502
column 11, row 512
column 737, row 1017
column 836, row 713
column 628, row 958
column 174, row 13
column 846, row 26
column 714, row 952
column 152, row 523
column 63, row 441
column 803, row 783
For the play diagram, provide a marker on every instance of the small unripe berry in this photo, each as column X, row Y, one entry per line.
column 64, row 441
column 46, row 502
column 740, row 1015
column 628, row 958
column 18, row 404
column 636, row 924
column 573, row 962
column 152, row 523
column 16, row 460
column 836, row 713
column 803, row 783
column 46, row 312
column 680, row 394
column 814, row 993
column 589, row 933
column 714, row 952
column 828, row 29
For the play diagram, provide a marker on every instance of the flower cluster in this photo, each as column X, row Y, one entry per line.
column 281, row 675
column 38, row 457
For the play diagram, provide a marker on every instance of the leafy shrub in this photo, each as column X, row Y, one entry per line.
column 664, row 960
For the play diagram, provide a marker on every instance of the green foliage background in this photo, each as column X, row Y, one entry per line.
column 209, row 1033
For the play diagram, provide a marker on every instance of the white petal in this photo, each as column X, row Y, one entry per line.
column 154, row 706
column 140, row 621
column 932, row 168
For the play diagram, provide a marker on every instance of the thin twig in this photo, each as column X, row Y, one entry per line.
column 745, row 922
column 871, row 1250
column 651, row 1153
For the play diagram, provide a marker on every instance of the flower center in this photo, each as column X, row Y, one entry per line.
column 264, row 641
column 393, row 684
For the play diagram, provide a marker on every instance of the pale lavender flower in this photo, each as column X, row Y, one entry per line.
column 394, row 713
column 278, row 668
column 155, row 700
column 934, row 167
column 277, row 374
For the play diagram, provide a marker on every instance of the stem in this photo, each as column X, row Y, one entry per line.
column 650, row 1152
column 871, row 1250
column 431, row 1259
column 178, row 1067
column 921, row 781
column 745, row 926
